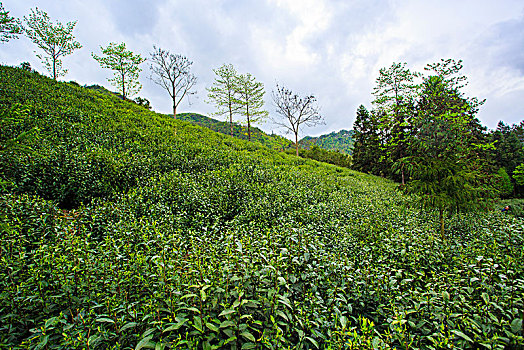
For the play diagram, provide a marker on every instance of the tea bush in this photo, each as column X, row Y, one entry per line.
column 124, row 229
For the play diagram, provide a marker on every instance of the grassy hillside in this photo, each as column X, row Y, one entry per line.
column 341, row 141
column 275, row 142
column 125, row 229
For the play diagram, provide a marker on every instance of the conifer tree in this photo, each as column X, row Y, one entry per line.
column 366, row 151
column 447, row 172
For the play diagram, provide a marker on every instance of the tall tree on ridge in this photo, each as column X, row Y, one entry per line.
column 172, row 72
column 124, row 63
column 56, row 40
column 295, row 111
column 223, row 92
column 250, row 100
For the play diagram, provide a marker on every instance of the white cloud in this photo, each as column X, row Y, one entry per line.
column 330, row 48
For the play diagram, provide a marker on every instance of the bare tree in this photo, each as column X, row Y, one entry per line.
column 172, row 72
column 295, row 111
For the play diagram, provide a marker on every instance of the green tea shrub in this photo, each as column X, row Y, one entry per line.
column 124, row 229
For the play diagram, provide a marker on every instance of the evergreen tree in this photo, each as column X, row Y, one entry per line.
column 447, row 172
column 505, row 186
column 366, row 151
column 395, row 93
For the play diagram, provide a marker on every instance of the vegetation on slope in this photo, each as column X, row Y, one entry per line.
column 125, row 229
column 275, row 142
column 341, row 141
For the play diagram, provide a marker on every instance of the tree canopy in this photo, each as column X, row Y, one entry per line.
column 125, row 65
column 249, row 97
column 295, row 111
column 9, row 26
column 172, row 72
column 55, row 40
column 223, row 93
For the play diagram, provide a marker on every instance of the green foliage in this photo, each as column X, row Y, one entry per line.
column 341, row 141
column 326, row 156
column 505, row 186
column 223, row 92
column 124, row 63
column 9, row 26
column 272, row 141
column 184, row 238
column 446, row 170
column 367, row 150
column 55, row 40
column 518, row 174
column 249, row 97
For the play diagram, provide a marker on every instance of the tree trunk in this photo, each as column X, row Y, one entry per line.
column 123, row 87
column 248, row 129
column 441, row 218
column 296, row 142
column 54, row 68
column 402, row 171
column 231, row 119
column 174, row 110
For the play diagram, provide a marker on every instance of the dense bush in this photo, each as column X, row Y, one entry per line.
column 123, row 229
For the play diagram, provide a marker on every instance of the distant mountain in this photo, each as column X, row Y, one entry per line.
column 276, row 142
column 336, row 141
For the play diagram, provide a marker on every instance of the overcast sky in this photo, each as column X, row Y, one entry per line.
column 330, row 48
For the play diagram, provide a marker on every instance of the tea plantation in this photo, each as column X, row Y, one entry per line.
column 125, row 229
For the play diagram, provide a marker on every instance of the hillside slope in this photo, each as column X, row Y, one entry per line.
column 341, row 141
column 125, row 229
column 272, row 141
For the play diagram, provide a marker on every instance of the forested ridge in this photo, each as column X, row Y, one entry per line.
column 125, row 229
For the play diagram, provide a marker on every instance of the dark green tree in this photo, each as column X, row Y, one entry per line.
column 504, row 186
column 447, row 172
column 395, row 93
column 366, row 151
